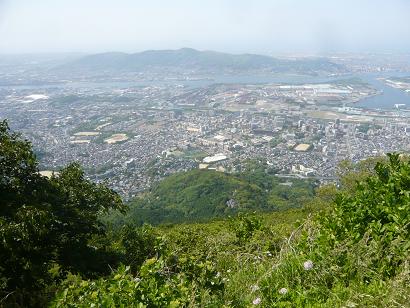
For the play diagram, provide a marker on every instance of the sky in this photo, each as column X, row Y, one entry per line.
column 237, row 26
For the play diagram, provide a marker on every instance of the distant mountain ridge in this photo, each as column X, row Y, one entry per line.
column 196, row 61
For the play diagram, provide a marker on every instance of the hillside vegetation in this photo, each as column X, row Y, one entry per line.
column 200, row 195
column 346, row 247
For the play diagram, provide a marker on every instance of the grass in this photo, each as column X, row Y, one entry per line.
column 243, row 265
column 273, row 258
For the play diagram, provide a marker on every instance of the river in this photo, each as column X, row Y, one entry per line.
column 386, row 100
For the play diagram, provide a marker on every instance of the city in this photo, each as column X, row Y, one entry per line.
column 134, row 136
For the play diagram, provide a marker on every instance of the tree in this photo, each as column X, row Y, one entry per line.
column 45, row 221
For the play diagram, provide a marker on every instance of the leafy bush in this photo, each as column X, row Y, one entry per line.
column 378, row 212
column 245, row 226
column 361, row 243
column 158, row 284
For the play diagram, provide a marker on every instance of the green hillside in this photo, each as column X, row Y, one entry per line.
column 200, row 195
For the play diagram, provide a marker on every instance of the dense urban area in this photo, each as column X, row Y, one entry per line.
column 133, row 135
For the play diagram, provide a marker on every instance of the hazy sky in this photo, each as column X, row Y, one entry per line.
column 258, row 26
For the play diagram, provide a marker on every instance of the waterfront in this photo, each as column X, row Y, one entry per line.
column 387, row 98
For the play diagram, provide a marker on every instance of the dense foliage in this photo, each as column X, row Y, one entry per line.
column 200, row 195
column 358, row 248
column 379, row 213
column 46, row 223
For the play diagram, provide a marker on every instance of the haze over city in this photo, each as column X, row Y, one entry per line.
column 237, row 26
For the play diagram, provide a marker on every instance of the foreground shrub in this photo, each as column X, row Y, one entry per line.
column 159, row 283
column 377, row 216
column 361, row 243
